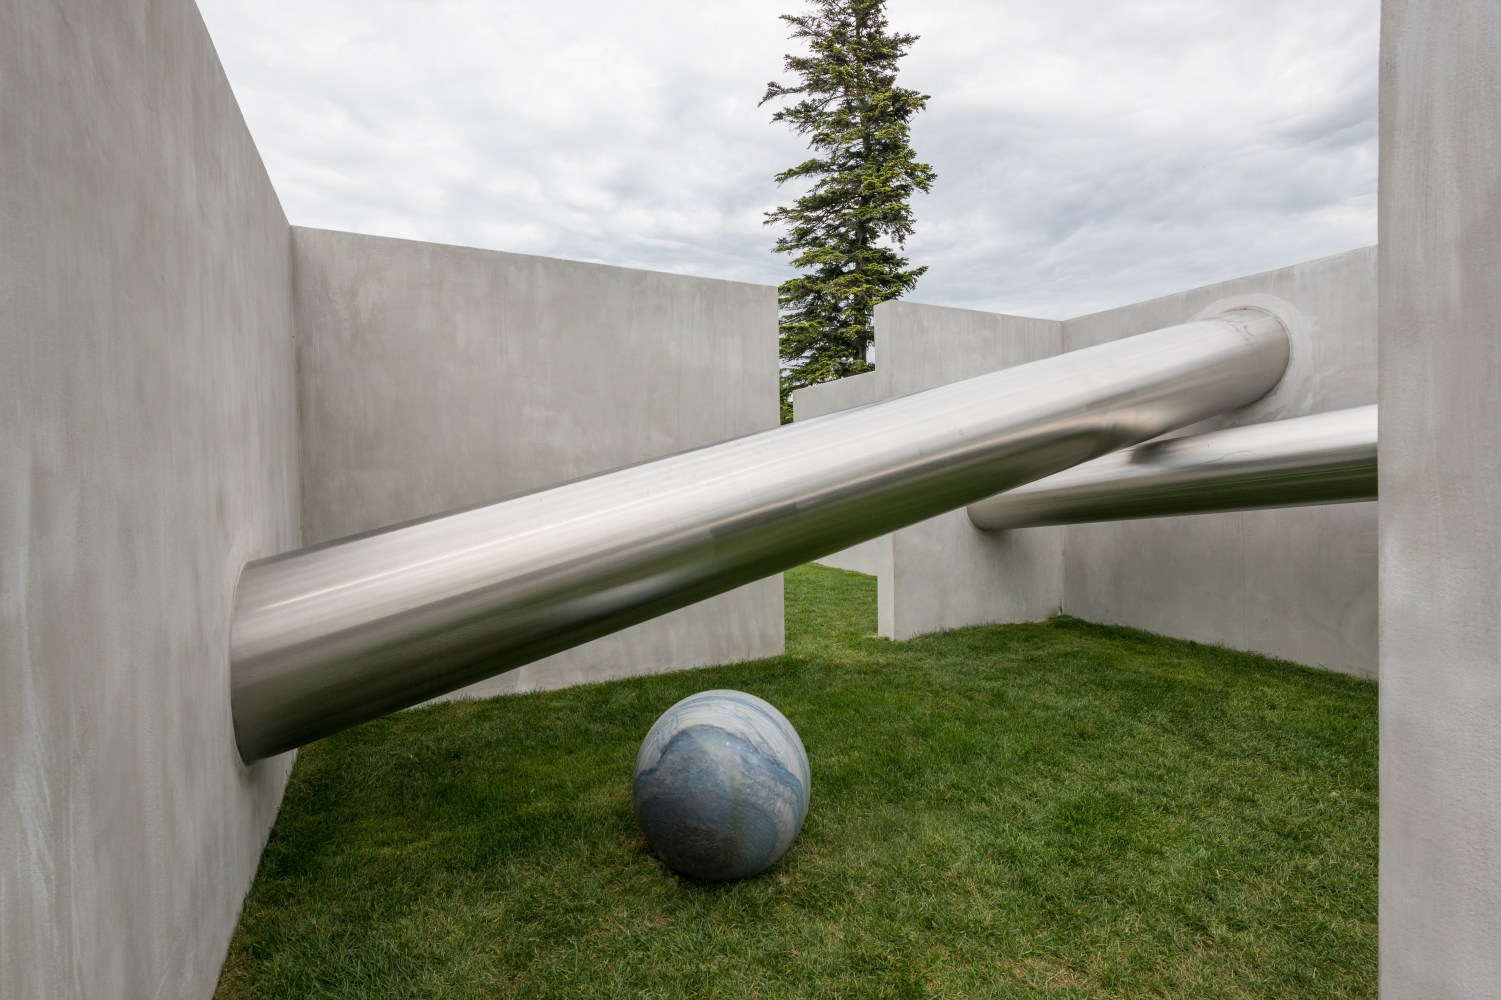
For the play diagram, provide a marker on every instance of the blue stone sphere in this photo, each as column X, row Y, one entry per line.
column 721, row 786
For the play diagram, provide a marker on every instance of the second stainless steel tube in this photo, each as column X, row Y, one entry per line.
column 1319, row 459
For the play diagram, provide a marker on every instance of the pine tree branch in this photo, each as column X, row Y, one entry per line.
column 844, row 232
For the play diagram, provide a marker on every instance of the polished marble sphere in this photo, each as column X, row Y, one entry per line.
column 721, row 786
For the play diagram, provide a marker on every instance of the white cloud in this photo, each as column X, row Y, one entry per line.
column 1088, row 154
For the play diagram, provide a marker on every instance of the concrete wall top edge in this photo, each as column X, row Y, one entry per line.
column 1210, row 286
column 956, row 311
column 841, row 394
column 431, row 246
column 224, row 87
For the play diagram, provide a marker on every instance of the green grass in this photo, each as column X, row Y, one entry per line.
column 1050, row 810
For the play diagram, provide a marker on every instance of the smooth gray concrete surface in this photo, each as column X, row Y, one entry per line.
column 949, row 574
column 873, row 557
column 1440, row 227
column 945, row 573
column 148, row 400
column 434, row 377
column 1297, row 583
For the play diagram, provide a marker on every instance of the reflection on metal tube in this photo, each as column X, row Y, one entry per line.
column 327, row 637
column 1325, row 458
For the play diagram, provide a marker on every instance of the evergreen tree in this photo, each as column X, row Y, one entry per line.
column 846, row 231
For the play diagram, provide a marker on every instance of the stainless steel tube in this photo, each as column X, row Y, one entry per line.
column 327, row 637
column 1325, row 458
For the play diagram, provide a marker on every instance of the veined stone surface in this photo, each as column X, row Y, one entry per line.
column 721, row 786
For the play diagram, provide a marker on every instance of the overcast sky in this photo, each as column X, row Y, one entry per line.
column 1089, row 153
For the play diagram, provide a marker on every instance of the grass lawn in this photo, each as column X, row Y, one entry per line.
column 1050, row 810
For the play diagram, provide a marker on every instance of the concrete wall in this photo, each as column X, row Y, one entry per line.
column 150, row 287
column 149, row 447
column 945, row 574
column 1299, row 583
column 1440, row 219
column 942, row 573
column 433, row 377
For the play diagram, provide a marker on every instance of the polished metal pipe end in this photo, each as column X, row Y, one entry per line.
column 1269, row 336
